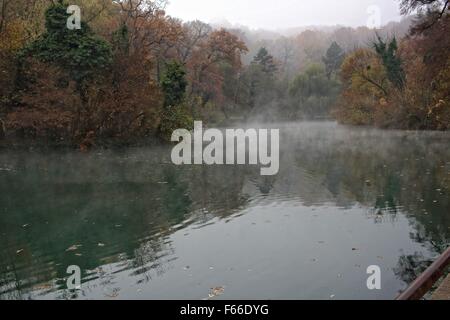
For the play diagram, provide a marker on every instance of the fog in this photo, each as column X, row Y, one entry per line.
column 284, row 14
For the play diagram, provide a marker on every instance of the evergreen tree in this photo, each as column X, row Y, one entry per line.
column 391, row 61
column 173, row 84
column 265, row 61
column 333, row 59
column 121, row 39
column 175, row 114
column 79, row 51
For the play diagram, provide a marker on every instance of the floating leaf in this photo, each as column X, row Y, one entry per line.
column 217, row 291
column 73, row 248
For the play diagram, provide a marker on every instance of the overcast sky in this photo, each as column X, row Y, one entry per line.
column 281, row 14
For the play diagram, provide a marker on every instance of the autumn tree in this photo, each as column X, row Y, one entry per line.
column 286, row 47
column 427, row 89
column 151, row 31
column 312, row 45
column 24, row 16
column 365, row 87
column 47, row 105
column 430, row 12
column 206, row 77
column 195, row 33
column 21, row 21
column 65, row 95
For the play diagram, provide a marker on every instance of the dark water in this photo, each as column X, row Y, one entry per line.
column 345, row 198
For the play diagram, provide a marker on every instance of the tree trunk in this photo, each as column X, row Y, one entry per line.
column 2, row 129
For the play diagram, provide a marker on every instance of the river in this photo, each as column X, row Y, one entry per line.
column 140, row 227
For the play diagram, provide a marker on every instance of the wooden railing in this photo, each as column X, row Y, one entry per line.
column 425, row 282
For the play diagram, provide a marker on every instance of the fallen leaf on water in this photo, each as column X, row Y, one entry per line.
column 73, row 248
column 114, row 294
column 217, row 291
column 45, row 286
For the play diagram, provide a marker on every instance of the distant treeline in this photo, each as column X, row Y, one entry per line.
column 133, row 72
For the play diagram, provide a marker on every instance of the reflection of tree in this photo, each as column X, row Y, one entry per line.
column 132, row 202
column 266, row 184
column 217, row 191
column 124, row 202
column 176, row 202
column 390, row 173
column 10, row 283
column 409, row 267
column 149, row 257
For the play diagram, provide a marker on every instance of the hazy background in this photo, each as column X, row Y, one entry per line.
column 283, row 14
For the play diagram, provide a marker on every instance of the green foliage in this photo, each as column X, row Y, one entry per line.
column 265, row 61
column 121, row 39
column 176, row 111
column 78, row 52
column 391, row 61
column 259, row 81
column 333, row 59
column 173, row 84
column 313, row 92
column 174, row 118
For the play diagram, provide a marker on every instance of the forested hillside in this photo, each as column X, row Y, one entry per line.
column 133, row 72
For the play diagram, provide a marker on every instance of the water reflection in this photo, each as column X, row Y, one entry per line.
column 345, row 198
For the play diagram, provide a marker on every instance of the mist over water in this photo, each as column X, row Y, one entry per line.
column 139, row 227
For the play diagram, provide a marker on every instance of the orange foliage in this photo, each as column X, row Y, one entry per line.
column 423, row 103
column 204, row 65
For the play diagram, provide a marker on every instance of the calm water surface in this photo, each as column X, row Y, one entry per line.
column 142, row 228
